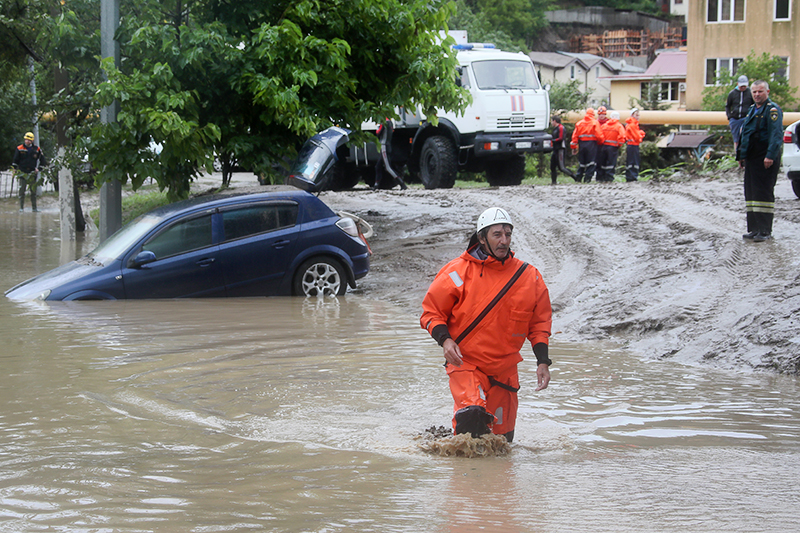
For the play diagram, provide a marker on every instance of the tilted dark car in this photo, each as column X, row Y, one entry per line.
column 316, row 168
column 282, row 242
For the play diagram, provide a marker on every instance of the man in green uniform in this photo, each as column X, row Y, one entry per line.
column 759, row 152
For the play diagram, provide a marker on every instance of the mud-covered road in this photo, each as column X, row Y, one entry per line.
column 659, row 267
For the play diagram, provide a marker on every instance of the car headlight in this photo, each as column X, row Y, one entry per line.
column 43, row 295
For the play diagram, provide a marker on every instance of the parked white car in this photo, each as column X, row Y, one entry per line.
column 790, row 160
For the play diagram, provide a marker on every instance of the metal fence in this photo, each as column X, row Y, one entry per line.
column 9, row 186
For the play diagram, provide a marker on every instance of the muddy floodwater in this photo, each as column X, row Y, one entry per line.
column 295, row 415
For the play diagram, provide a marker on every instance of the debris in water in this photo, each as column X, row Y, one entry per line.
column 441, row 441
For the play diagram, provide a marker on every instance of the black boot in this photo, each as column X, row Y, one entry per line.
column 473, row 419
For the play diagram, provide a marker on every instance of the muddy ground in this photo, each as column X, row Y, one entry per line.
column 658, row 267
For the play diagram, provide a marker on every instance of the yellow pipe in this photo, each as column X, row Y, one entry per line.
column 699, row 118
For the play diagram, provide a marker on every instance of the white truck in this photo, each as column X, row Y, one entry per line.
column 509, row 116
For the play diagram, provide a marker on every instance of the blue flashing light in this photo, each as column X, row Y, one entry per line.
column 473, row 46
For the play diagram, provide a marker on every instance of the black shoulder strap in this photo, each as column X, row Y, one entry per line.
column 491, row 305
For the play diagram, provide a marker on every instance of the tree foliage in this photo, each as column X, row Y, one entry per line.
column 567, row 96
column 510, row 24
column 256, row 80
column 756, row 67
column 61, row 40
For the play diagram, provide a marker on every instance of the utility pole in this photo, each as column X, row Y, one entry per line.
column 111, row 191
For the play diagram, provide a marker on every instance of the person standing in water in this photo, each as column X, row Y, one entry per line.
column 480, row 308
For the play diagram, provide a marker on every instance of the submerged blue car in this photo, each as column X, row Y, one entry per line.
column 282, row 242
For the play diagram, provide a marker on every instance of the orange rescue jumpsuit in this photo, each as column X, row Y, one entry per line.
column 613, row 138
column 490, row 352
column 633, row 137
column 585, row 138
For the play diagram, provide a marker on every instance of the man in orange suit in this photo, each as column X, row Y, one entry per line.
column 480, row 309
column 585, row 139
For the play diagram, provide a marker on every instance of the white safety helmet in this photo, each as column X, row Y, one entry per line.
column 493, row 215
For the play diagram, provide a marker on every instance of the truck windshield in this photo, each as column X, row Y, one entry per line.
column 503, row 74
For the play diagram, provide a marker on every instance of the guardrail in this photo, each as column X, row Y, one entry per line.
column 9, row 186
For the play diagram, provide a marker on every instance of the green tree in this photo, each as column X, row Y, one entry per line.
column 756, row 67
column 256, row 80
column 63, row 41
column 478, row 28
column 521, row 19
column 565, row 97
column 19, row 24
column 509, row 24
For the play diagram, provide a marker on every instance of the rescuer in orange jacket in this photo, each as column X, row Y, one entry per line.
column 613, row 138
column 633, row 137
column 482, row 360
column 585, row 138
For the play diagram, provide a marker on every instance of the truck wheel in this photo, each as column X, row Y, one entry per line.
column 796, row 187
column 438, row 163
column 506, row 172
column 320, row 276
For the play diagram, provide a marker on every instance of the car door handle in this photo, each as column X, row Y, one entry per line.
column 281, row 243
column 206, row 262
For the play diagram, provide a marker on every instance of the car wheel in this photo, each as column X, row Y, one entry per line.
column 438, row 163
column 506, row 172
column 796, row 187
column 320, row 276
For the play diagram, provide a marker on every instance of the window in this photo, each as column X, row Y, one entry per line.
column 782, row 9
column 668, row 91
column 782, row 72
column 463, row 76
column 255, row 219
column 597, row 73
column 725, row 10
column 715, row 67
column 572, row 72
column 504, row 74
column 184, row 236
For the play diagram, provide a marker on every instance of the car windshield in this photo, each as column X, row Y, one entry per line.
column 113, row 247
column 505, row 74
column 311, row 159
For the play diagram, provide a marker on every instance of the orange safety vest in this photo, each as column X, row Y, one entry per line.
column 464, row 287
column 587, row 129
column 613, row 133
column 633, row 135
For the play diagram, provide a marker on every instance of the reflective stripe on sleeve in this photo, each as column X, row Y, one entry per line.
column 456, row 278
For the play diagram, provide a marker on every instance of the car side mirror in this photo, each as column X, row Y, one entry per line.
column 142, row 258
column 547, row 87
